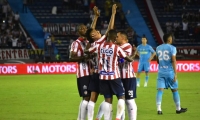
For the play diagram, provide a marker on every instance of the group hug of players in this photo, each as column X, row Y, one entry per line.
column 105, row 67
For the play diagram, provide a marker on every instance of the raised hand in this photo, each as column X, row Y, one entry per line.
column 96, row 11
column 114, row 7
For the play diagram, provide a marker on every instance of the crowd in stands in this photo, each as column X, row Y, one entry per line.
column 11, row 35
column 87, row 5
column 190, row 24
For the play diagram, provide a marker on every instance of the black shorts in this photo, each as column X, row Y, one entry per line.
column 130, row 86
column 83, row 84
column 111, row 87
column 94, row 83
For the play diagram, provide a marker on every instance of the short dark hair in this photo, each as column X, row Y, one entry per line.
column 144, row 36
column 123, row 33
column 112, row 34
column 166, row 36
column 88, row 36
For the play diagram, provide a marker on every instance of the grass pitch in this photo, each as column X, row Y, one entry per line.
column 55, row 97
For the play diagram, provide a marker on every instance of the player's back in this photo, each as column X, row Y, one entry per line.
column 164, row 53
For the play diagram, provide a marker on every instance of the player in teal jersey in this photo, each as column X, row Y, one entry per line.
column 167, row 75
column 146, row 53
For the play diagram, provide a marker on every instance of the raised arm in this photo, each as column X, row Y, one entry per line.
column 112, row 19
column 97, row 14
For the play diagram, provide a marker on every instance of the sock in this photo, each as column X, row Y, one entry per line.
column 176, row 98
column 132, row 109
column 100, row 111
column 159, row 100
column 123, row 116
column 111, row 111
column 83, row 110
column 120, row 108
column 138, row 80
column 106, row 110
column 79, row 111
column 147, row 79
column 90, row 109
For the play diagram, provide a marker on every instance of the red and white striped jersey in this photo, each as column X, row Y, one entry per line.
column 95, row 59
column 78, row 47
column 126, row 68
column 108, row 60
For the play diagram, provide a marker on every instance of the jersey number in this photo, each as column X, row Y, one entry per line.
column 163, row 55
column 106, row 63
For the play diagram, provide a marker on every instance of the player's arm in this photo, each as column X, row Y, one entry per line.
column 73, row 54
column 74, row 58
column 112, row 19
column 157, row 59
column 90, row 50
column 97, row 14
column 153, row 53
column 152, row 56
column 174, row 67
column 174, row 63
column 122, row 54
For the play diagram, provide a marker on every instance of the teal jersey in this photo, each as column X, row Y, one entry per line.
column 164, row 53
column 145, row 52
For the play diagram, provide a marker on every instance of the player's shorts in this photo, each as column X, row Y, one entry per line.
column 94, row 83
column 130, row 86
column 143, row 67
column 166, row 81
column 111, row 87
column 83, row 84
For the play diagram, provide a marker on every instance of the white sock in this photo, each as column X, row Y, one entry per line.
column 90, row 109
column 159, row 107
column 100, row 111
column 123, row 116
column 84, row 110
column 132, row 109
column 79, row 111
column 106, row 110
column 111, row 111
column 120, row 108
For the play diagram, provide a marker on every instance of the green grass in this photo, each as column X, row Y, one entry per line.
column 55, row 97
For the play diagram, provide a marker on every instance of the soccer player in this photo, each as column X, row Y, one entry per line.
column 146, row 53
column 109, row 75
column 128, row 76
column 83, row 74
column 167, row 75
column 95, row 38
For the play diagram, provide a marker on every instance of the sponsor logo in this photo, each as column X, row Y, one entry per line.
column 108, row 51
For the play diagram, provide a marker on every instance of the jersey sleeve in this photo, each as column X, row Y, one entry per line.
column 121, row 53
column 74, row 47
column 174, row 51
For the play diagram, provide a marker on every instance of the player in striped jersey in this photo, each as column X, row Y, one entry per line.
column 128, row 76
column 110, row 82
column 83, row 78
column 97, row 39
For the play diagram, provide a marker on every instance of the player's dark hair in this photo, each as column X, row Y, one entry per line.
column 112, row 34
column 166, row 36
column 88, row 36
column 144, row 36
column 123, row 33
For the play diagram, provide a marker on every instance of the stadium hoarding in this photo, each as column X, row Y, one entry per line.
column 53, row 68
column 182, row 66
column 6, row 54
column 71, row 68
